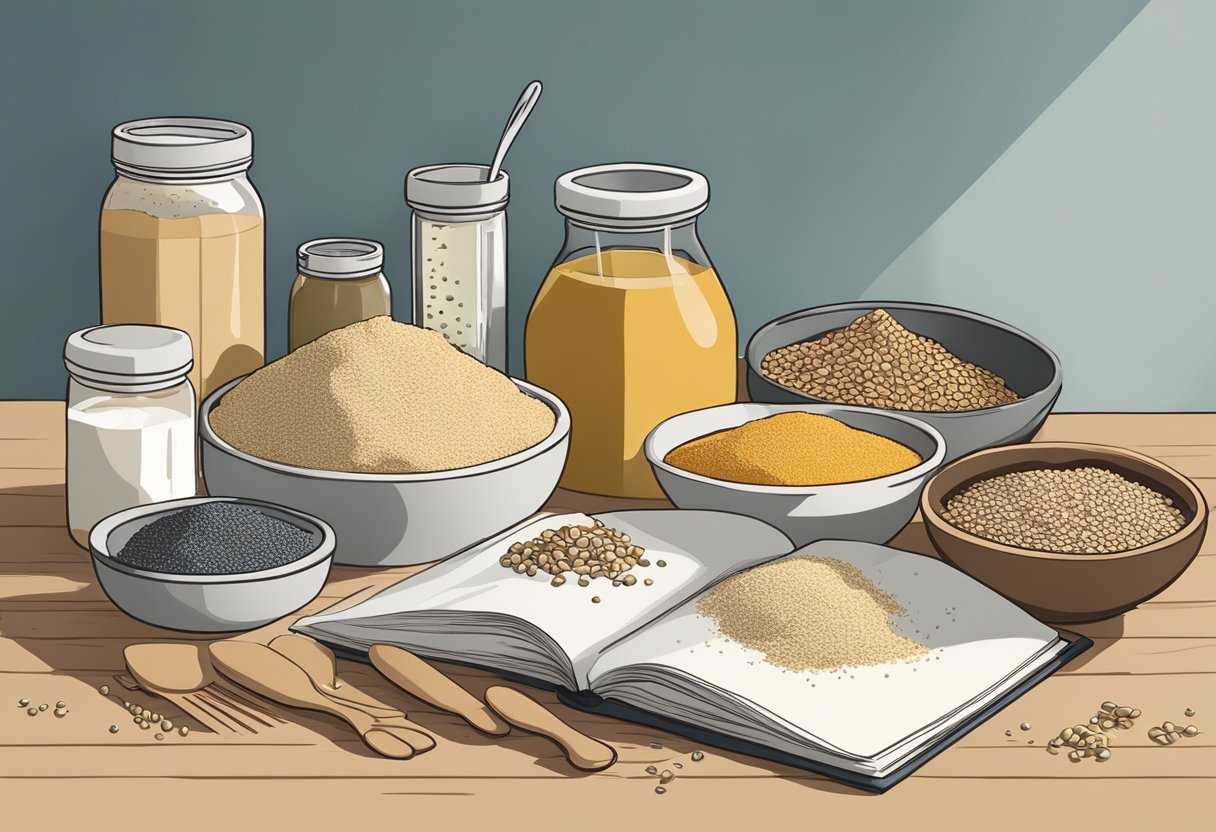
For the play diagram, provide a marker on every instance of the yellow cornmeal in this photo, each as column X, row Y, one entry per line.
column 793, row 449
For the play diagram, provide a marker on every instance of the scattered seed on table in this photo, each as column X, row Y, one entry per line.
column 1009, row 733
column 1025, row 726
column 651, row 770
column 105, row 690
column 167, row 725
column 185, row 729
column 60, row 704
column 660, row 790
column 1109, row 706
column 143, row 723
column 113, row 729
column 595, row 599
column 159, row 737
column 61, row 712
column 1187, row 712
column 648, row 582
column 656, row 745
column 666, row 776
column 1190, row 731
column 32, row 712
column 1102, row 755
column 677, row 765
column 154, row 718
column 136, row 720
column 1167, row 727
column 660, row 563
column 697, row 756
column 21, row 703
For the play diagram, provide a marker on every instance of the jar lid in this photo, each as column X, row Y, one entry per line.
column 181, row 148
column 456, row 189
column 340, row 257
column 129, row 355
column 631, row 195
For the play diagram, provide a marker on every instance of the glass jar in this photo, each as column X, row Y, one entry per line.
column 632, row 324
column 459, row 247
column 341, row 282
column 182, row 241
column 130, row 421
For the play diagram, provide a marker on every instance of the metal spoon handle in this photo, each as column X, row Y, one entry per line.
column 523, row 109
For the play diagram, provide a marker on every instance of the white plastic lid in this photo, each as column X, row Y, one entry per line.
column 631, row 195
column 456, row 189
column 340, row 257
column 129, row 355
column 181, row 148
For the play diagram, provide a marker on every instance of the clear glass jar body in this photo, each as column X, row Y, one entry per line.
column 322, row 304
column 189, row 255
column 127, row 449
column 460, row 281
column 630, row 327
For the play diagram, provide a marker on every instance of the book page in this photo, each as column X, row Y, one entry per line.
column 976, row 640
column 696, row 548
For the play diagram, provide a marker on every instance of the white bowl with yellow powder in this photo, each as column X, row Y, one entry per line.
column 871, row 467
column 410, row 449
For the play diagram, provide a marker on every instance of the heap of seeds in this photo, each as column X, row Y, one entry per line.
column 1084, row 510
column 876, row 362
column 594, row 551
column 380, row 397
column 810, row 613
column 215, row 539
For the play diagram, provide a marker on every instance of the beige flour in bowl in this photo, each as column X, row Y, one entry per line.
column 380, row 397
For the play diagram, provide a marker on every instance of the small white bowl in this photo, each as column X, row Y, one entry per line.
column 208, row 603
column 873, row 510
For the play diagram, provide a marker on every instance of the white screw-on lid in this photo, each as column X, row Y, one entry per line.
column 129, row 355
column 181, row 148
column 631, row 195
column 456, row 189
column 339, row 257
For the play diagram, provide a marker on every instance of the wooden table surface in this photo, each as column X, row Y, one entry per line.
column 60, row 639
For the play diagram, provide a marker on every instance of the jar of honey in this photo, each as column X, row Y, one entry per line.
column 632, row 324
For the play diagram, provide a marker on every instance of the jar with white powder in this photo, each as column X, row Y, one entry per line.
column 131, row 421
column 459, row 245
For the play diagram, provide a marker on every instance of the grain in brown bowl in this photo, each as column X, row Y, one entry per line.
column 1066, row 588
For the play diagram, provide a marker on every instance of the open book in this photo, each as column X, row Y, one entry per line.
column 645, row 653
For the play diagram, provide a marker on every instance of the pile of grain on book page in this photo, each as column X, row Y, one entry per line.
column 380, row 397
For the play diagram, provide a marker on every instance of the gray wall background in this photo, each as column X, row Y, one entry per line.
column 833, row 134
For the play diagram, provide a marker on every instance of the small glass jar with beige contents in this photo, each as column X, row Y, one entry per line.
column 182, row 241
column 341, row 282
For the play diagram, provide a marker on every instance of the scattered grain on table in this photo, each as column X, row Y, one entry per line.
column 810, row 613
column 380, row 397
column 876, row 362
column 1080, row 510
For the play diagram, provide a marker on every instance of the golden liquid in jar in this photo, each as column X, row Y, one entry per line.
column 627, row 338
column 203, row 275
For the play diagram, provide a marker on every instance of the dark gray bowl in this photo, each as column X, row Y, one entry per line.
column 1029, row 368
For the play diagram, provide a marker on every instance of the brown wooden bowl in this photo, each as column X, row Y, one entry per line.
column 1064, row 588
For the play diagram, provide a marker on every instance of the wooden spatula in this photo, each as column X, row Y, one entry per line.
column 419, row 679
column 522, row 711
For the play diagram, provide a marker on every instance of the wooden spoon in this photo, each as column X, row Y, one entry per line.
column 265, row 672
column 319, row 662
column 417, row 678
column 521, row 710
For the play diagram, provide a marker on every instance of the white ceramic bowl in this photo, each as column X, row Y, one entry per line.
column 872, row 510
column 398, row 519
column 208, row 603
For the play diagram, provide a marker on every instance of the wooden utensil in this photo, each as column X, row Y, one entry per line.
column 182, row 674
column 419, row 679
column 583, row 752
column 265, row 672
column 319, row 662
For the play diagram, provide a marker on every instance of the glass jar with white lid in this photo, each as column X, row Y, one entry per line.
column 130, row 421
column 459, row 246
